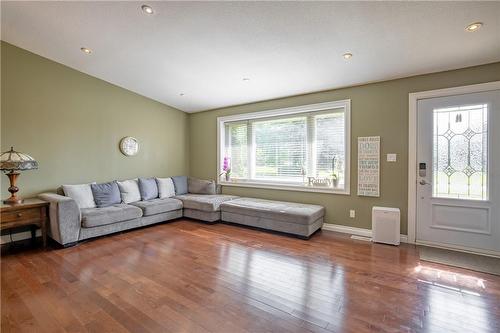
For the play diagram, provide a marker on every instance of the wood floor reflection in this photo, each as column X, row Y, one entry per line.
column 191, row 277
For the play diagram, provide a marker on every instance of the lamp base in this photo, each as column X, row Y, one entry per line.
column 13, row 201
column 13, row 189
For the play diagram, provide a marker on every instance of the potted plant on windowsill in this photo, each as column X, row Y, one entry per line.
column 335, row 178
column 226, row 169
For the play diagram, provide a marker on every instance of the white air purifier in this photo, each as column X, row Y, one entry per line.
column 386, row 225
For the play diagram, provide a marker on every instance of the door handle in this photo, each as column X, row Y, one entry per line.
column 423, row 182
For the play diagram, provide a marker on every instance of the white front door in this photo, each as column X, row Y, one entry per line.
column 458, row 180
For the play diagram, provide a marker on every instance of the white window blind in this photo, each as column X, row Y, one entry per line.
column 280, row 148
column 237, row 149
column 329, row 145
column 300, row 149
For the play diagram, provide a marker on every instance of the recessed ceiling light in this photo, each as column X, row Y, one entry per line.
column 474, row 26
column 347, row 55
column 246, row 79
column 86, row 50
column 147, row 9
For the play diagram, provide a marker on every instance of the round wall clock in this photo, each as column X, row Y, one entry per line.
column 129, row 146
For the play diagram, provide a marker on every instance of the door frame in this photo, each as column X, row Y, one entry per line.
column 413, row 99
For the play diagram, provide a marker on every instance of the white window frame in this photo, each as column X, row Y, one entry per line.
column 345, row 104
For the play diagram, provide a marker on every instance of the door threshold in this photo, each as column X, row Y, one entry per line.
column 458, row 248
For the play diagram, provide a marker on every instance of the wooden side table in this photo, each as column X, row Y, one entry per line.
column 29, row 212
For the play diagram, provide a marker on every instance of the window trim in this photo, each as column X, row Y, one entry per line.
column 345, row 104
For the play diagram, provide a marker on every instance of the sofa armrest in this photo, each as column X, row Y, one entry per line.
column 64, row 216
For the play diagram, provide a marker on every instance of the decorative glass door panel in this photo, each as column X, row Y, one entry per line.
column 460, row 152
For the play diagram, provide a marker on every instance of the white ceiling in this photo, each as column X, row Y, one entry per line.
column 205, row 49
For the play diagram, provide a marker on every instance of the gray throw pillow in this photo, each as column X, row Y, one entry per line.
column 148, row 188
column 199, row 186
column 106, row 194
column 180, row 184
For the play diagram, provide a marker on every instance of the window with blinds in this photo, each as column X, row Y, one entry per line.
column 302, row 147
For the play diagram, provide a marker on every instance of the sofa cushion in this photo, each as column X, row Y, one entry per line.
column 199, row 186
column 148, row 188
column 180, row 184
column 94, row 217
column 82, row 194
column 129, row 190
column 275, row 210
column 166, row 187
column 201, row 215
column 157, row 206
column 106, row 194
column 204, row 202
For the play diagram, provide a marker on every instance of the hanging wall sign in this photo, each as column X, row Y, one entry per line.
column 369, row 166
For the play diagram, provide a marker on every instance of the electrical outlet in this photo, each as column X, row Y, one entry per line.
column 352, row 213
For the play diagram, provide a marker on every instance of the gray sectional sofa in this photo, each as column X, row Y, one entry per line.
column 205, row 207
column 70, row 223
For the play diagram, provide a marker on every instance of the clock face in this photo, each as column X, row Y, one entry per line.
column 129, row 146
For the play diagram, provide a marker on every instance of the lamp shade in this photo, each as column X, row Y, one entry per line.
column 13, row 160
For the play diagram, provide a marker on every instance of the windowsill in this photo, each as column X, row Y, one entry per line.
column 284, row 187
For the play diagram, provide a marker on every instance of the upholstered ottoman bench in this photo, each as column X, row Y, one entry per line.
column 288, row 217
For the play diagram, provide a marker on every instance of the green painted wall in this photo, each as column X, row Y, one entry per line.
column 71, row 124
column 376, row 109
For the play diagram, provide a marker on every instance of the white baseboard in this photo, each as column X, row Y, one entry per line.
column 356, row 231
column 5, row 239
column 327, row 226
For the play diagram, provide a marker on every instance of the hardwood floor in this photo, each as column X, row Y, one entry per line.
column 191, row 277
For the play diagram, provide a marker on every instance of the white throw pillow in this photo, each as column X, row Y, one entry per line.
column 166, row 187
column 81, row 193
column 129, row 190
